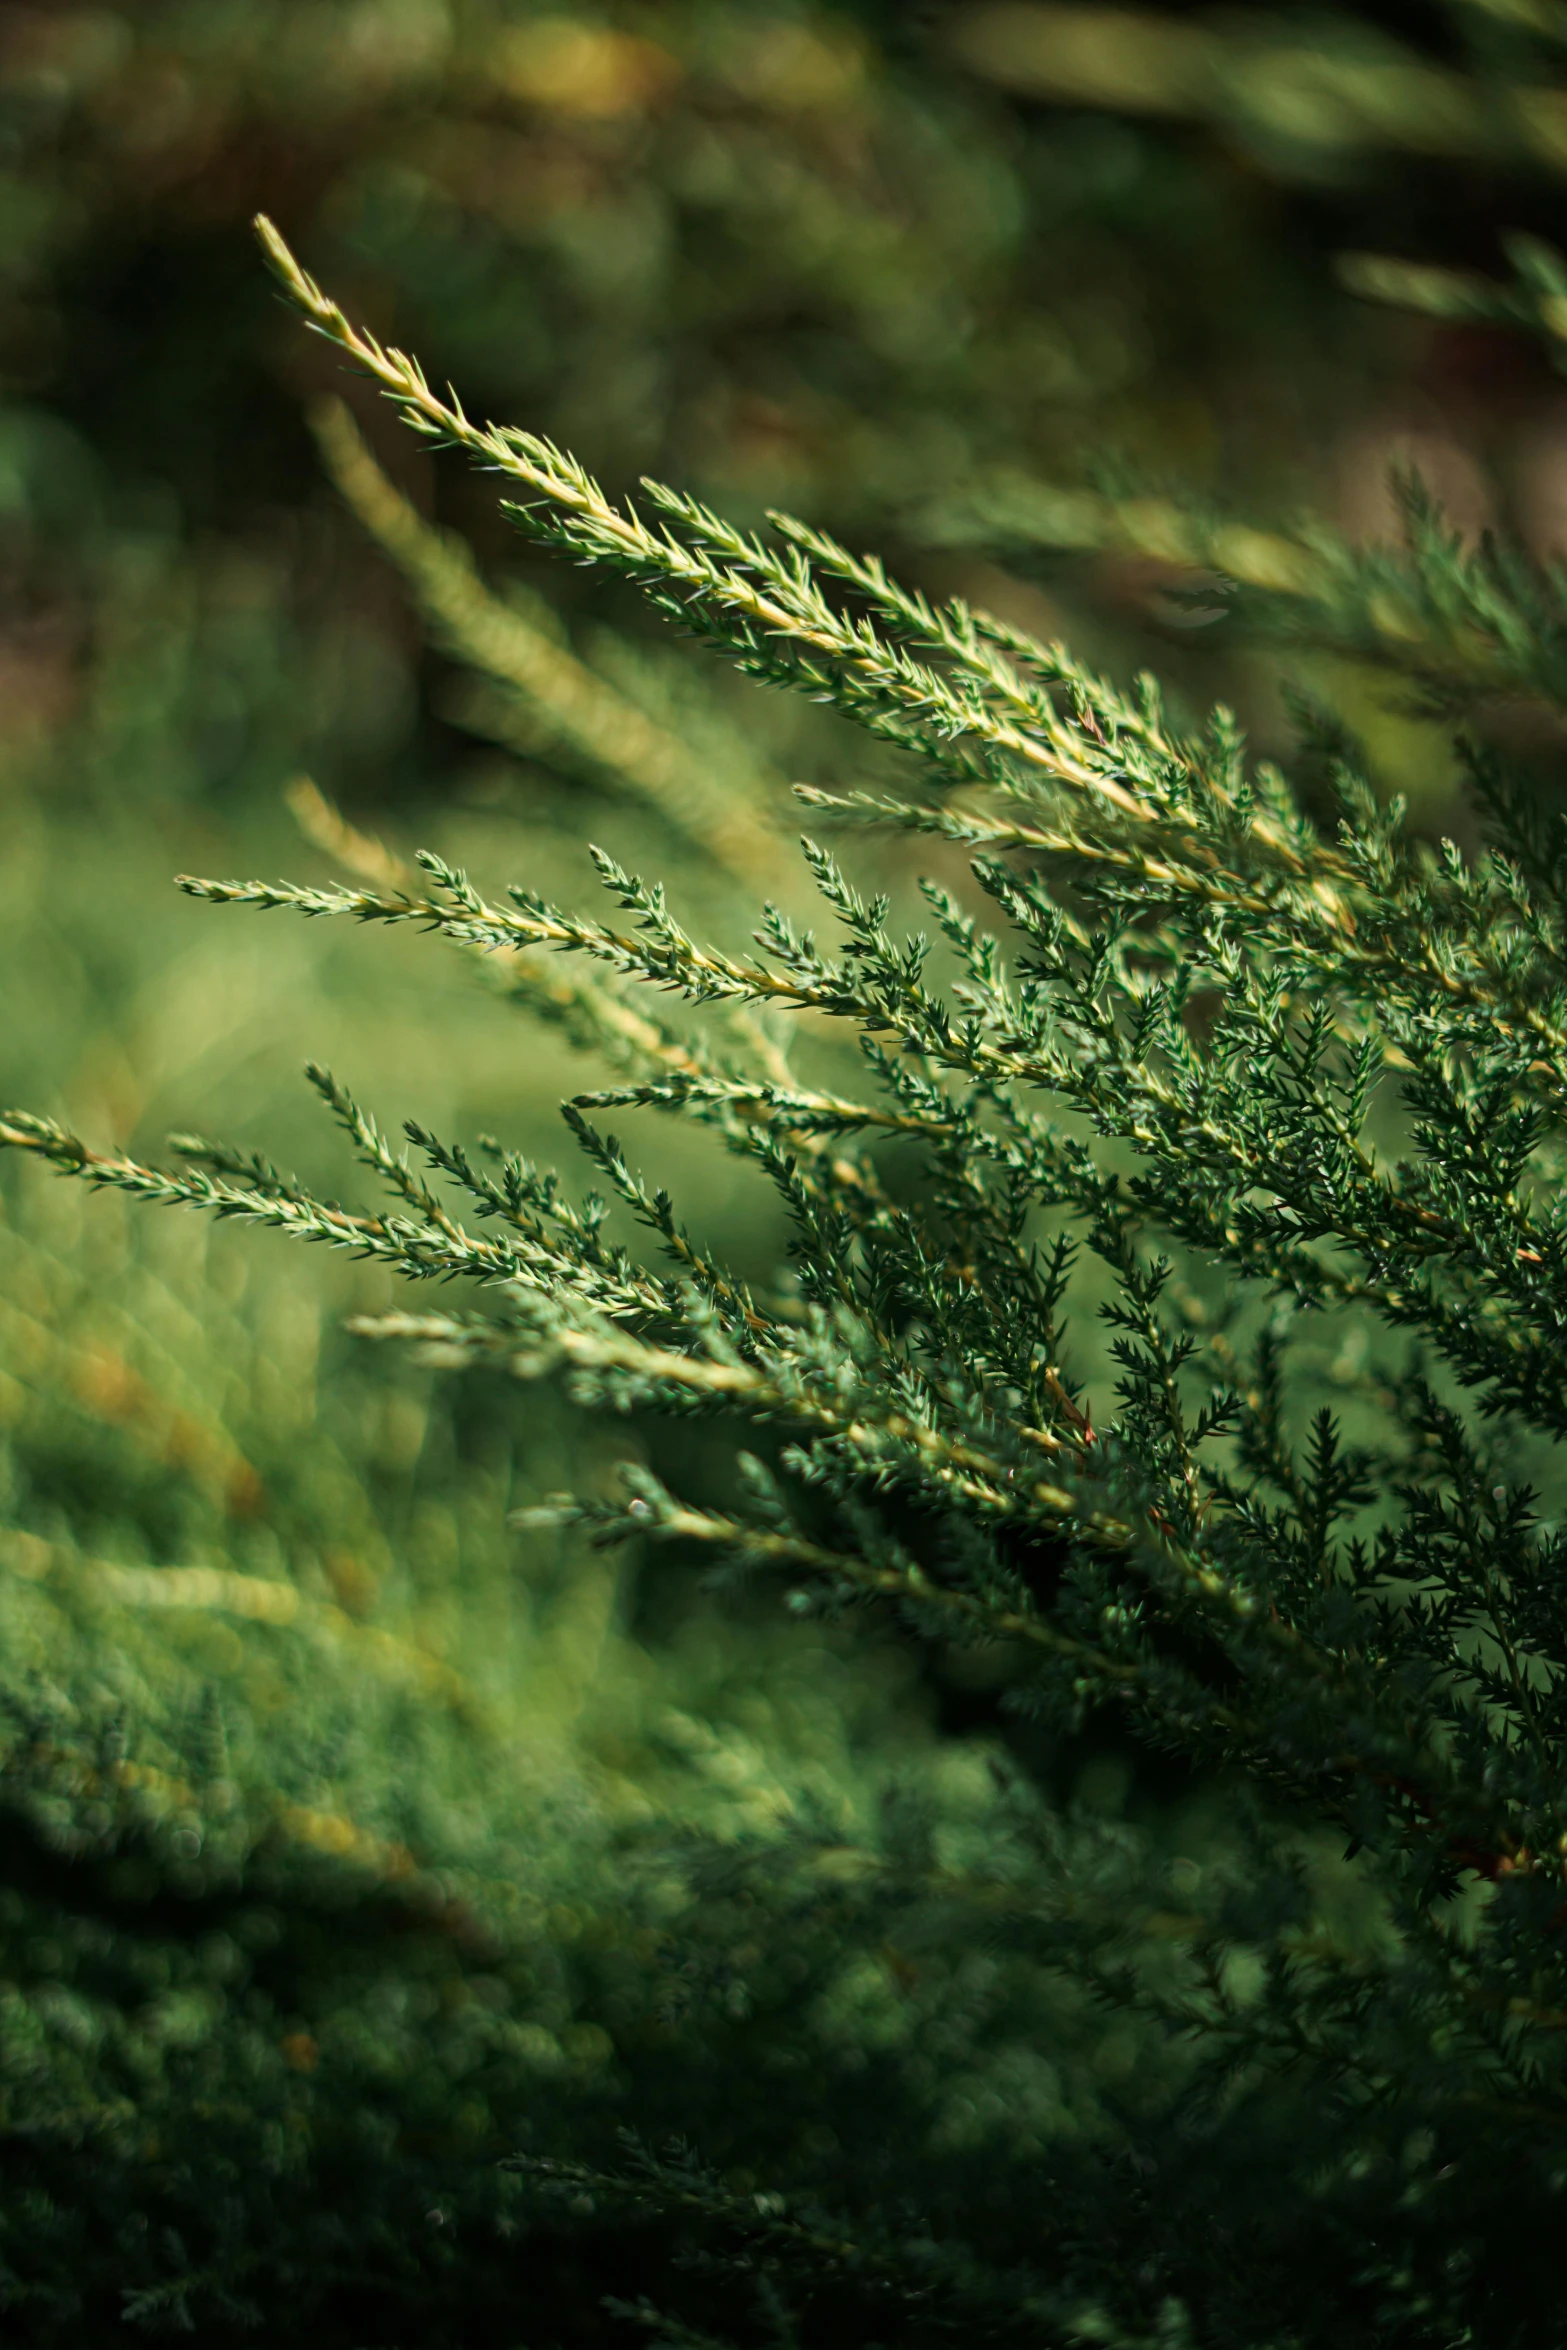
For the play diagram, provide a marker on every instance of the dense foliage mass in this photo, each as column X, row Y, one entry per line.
column 1279, row 1101
column 1117, row 1896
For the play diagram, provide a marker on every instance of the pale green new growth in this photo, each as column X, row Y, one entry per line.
column 548, row 697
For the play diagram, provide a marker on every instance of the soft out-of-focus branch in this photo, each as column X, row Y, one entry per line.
column 552, row 701
column 1296, row 96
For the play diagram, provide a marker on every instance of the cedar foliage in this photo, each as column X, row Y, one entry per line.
column 1277, row 1097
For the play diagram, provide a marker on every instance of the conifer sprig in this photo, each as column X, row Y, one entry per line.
column 1272, row 1088
column 976, row 701
column 552, row 700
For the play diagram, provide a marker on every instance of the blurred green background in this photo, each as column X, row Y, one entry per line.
column 922, row 274
column 880, row 266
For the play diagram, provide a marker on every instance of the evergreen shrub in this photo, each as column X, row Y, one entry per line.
column 1249, row 1084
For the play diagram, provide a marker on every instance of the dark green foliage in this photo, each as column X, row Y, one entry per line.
column 416, row 1931
column 342, row 1870
column 784, row 253
column 1278, row 1107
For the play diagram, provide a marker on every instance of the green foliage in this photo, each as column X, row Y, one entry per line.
column 1279, row 1103
column 788, row 250
column 1166, row 1347
column 1305, row 96
column 339, row 1870
column 786, row 253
